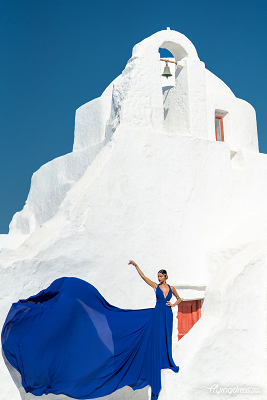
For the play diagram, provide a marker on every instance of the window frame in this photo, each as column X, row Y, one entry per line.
column 221, row 125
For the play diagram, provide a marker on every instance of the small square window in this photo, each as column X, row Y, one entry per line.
column 219, row 128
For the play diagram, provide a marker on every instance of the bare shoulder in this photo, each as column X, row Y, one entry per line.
column 174, row 290
column 154, row 285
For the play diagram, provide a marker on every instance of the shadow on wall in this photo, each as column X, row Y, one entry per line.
column 174, row 90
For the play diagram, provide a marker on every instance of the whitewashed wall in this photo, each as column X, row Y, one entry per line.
column 166, row 198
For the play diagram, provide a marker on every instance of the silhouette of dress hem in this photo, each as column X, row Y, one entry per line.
column 69, row 340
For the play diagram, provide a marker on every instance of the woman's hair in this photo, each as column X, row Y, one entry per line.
column 163, row 272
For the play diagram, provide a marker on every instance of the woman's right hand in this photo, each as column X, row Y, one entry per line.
column 132, row 262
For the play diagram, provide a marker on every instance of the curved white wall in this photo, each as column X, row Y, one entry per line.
column 165, row 195
column 240, row 125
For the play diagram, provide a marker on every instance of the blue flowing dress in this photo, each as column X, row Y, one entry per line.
column 69, row 340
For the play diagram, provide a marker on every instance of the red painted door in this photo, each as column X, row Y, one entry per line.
column 189, row 313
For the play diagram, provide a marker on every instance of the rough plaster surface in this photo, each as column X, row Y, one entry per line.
column 144, row 184
column 137, row 99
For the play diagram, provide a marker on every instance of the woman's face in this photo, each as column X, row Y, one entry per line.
column 161, row 278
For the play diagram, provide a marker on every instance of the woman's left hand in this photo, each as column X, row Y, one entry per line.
column 169, row 304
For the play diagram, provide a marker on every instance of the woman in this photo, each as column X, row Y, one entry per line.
column 69, row 340
column 161, row 335
column 162, row 278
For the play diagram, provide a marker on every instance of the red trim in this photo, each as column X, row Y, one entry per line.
column 221, row 123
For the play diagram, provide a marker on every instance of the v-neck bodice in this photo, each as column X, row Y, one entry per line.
column 160, row 295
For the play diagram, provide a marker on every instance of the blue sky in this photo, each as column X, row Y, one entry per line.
column 59, row 54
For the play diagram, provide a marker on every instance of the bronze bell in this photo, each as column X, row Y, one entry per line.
column 167, row 71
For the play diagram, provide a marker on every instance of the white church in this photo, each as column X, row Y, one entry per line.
column 165, row 170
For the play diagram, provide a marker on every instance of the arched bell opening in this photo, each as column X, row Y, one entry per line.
column 174, row 88
column 167, row 81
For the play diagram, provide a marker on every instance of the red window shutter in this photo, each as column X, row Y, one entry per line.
column 219, row 133
column 189, row 313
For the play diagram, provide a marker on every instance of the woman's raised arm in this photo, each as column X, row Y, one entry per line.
column 147, row 280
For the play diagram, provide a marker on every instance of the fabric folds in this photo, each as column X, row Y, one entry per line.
column 69, row 340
